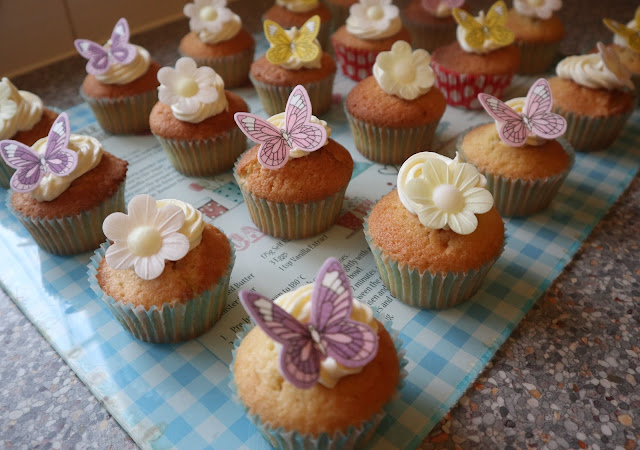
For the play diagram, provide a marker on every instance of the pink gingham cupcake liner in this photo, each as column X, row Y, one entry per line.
column 355, row 64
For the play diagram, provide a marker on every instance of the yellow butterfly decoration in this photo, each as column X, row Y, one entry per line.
column 492, row 29
column 302, row 46
column 628, row 34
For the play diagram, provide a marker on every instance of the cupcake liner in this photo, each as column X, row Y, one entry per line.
column 339, row 15
column 355, row 63
column 123, row 115
column 6, row 173
column 635, row 79
column 462, row 89
column 206, row 157
column 588, row 134
column 536, row 57
column 352, row 438
column 426, row 290
column 72, row 234
column 387, row 145
column 274, row 98
column 167, row 324
column 234, row 69
column 518, row 197
column 430, row 36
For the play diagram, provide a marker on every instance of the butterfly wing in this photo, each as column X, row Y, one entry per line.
column 512, row 129
column 351, row 343
column 299, row 358
column 121, row 50
column 475, row 36
column 497, row 15
column 274, row 149
column 304, row 46
column 98, row 57
column 304, row 135
column 537, row 108
column 58, row 158
column 280, row 50
column 29, row 171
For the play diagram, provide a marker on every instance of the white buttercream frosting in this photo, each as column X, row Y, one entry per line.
column 279, row 121
column 298, row 304
column 373, row 19
column 24, row 109
column 126, row 73
column 298, row 6
column 488, row 45
column 294, row 62
column 193, row 222
column 89, row 152
column 589, row 71
column 404, row 73
column 538, row 9
column 212, row 21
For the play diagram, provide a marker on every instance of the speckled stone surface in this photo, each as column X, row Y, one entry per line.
column 566, row 378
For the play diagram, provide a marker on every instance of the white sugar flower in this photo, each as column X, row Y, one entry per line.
column 373, row 19
column 8, row 107
column 448, row 195
column 542, row 9
column 210, row 15
column 404, row 73
column 145, row 237
column 187, row 86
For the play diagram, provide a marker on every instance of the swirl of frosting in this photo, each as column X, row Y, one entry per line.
column 298, row 6
column 193, row 223
column 538, row 9
column 373, row 19
column 125, row 73
column 89, row 152
column 620, row 40
column 28, row 110
column 212, row 21
column 488, row 45
column 517, row 104
column 298, row 304
column 279, row 122
column 404, row 73
column 295, row 63
column 589, row 71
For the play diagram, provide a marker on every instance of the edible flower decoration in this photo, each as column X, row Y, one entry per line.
column 490, row 29
column 8, row 107
column 329, row 333
column 32, row 166
column 298, row 133
column 612, row 62
column 630, row 33
column 145, row 237
column 301, row 46
column 403, row 72
column 441, row 7
column 444, row 193
column 212, row 20
column 536, row 117
column 373, row 19
column 117, row 50
column 542, row 9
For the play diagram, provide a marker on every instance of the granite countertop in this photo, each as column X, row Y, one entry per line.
column 566, row 378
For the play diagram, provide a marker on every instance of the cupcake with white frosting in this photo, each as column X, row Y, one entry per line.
column 431, row 22
column 193, row 121
column 217, row 39
column 627, row 45
column 294, row 13
column 372, row 27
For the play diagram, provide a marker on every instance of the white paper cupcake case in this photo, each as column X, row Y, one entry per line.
column 5, row 174
column 518, row 197
column 352, row 438
column 588, row 134
column 274, row 98
column 167, row 324
column 123, row 115
column 234, row 69
column 72, row 234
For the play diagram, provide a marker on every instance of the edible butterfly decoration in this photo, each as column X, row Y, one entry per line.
column 275, row 143
column 630, row 35
column 536, row 117
column 433, row 5
column 330, row 331
column 31, row 166
column 101, row 58
column 302, row 46
column 612, row 62
column 493, row 27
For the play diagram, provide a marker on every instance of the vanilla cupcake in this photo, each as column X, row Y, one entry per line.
column 627, row 45
column 431, row 22
column 294, row 13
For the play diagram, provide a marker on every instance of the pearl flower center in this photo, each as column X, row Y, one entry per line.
column 209, row 13
column 144, row 241
column 404, row 72
column 448, row 198
column 187, row 87
column 375, row 12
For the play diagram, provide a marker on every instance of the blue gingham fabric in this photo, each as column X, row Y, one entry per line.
column 178, row 396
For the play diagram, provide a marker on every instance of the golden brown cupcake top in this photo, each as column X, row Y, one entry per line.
column 147, row 82
column 192, row 46
column 531, row 29
column 39, row 130
column 505, row 60
column 287, row 18
column 345, row 38
column 265, row 72
column 572, row 97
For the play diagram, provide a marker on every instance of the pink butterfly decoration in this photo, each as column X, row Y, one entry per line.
column 299, row 132
column 31, row 166
column 433, row 5
column 536, row 117
column 101, row 58
column 330, row 331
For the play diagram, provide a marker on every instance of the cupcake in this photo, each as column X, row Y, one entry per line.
column 193, row 121
column 372, row 27
column 218, row 40
column 65, row 185
column 23, row 118
column 520, row 155
column 594, row 93
column 430, row 22
column 121, row 83
column 294, row 182
column 339, row 11
column 436, row 236
column 158, row 302
column 482, row 59
column 295, row 13
column 294, row 57
column 318, row 369
column 626, row 43
column 394, row 113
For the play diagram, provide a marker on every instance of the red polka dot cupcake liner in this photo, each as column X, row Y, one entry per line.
column 356, row 64
column 462, row 89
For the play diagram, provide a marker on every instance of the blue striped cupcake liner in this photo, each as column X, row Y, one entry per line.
column 71, row 235
column 167, row 324
column 274, row 98
column 352, row 438
column 234, row 69
column 123, row 115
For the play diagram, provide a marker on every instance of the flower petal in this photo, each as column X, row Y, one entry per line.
column 432, row 218
column 435, row 170
column 119, row 257
column 170, row 219
column 464, row 176
column 478, row 200
column 464, row 222
column 149, row 267
column 208, row 94
column 174, row 247
column 420, row 191
column 168, row 77
column 142, row 210
column 186, row 66
column 116, row 226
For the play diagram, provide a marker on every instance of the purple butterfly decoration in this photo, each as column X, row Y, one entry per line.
column 433, row 5
column 330, row 331
column 299, row 132
column 536, row 117
column 31, row 166
column 101, row 58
